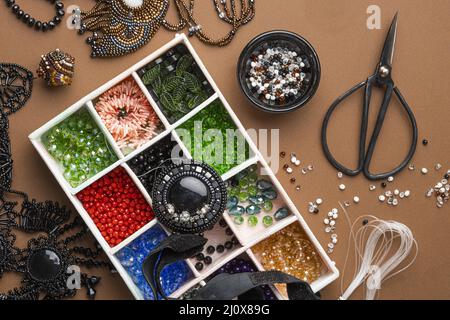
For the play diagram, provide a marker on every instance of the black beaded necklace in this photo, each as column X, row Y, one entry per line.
column 32, row 22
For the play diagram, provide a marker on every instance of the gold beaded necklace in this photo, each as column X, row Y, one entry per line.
column 123, row 26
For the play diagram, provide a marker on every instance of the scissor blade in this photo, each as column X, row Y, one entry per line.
column 387, row 54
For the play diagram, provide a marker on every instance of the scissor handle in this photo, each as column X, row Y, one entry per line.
column 363, row 132
column 390, row 88
column 364, row 158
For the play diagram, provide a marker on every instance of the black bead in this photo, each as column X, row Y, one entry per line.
column 383, row 184
column 199, row 266
column 93, row 280
column 20, row 14
column 45, row 26
column 200, row 257
column 222, row 223
column 220, row 248
column 26, row 18
column 9, row 3
column 365, row 221
column 57, row 20
column 208, row 260
column 51, row 25
column 228, row 232
column 59, row 5
column 210, row 250
column 60, row 13
column 447, row 176
column 228, row 245
column 31, row 22
column 15, row 8
column 38, row 25
column 424, row 142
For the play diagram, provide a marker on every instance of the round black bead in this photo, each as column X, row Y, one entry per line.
column 57, row 20
column 228, row 232
column 365, row 221
column 199, row 266
column 59, row 5
column 51, row 25
column 210, row 250
column 228, row 245
column 9, row 3
column 45, row 26
column 38, row 25
column 15, row 8
column 220, row 248
column 31, row 22
column 200, row 256
column 26, row 17
column 20, row 14
column 60, row 13
column 447, row 176
column 208, row 260
column 424, row 142
column 383, row 184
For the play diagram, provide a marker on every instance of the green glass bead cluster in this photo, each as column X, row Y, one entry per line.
column 79, row 146
column 249, row 195
column 209, row 138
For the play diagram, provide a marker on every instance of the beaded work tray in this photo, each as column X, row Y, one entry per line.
column 248, row 237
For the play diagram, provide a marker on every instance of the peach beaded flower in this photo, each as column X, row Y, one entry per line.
column 128, row 115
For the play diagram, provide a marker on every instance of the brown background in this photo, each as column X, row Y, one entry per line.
column 348, row 53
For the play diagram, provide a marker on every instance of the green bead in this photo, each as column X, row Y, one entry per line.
column 267, row 206
column 252, row 190
column 267, row 221
column 243, row 196
column 252, row 221
column 238, row 220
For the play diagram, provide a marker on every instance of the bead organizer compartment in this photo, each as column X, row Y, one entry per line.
column 116, row 206
column 222, row 243
column 128, row 115
column 254, row 157
column 78, row 147
column 254, row 204
column 211, row 121
column 176, row 82
column 132, row 256
column 157, row 156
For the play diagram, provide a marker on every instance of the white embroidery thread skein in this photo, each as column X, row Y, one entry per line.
column 380, row 247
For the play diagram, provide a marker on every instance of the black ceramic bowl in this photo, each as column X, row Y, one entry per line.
column 293, row 42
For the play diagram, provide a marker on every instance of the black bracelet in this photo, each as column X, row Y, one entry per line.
column 32, row 22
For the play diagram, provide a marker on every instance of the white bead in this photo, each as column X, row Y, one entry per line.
column 356, row 199
column 326, row 221
column 297, row 162
column 390, row 179
column 342, row 187
column 424, row 170
column 407, row 193
column 335, row 215
column 381, row 197
column 334, row 210
column 334, row 240
column 332, row 223
column 134, row 3
column 340, row 175
column 330, row 214
column 319, row 201
column 396, row 192
column 289, row 170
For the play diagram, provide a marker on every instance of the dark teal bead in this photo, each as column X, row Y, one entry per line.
column 264, row 184
column 257, row 200
column 281, row 214
column 270, row 194
column 253, row 209
column 232, row 202
column 236, row 211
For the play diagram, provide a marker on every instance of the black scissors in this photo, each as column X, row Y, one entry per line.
column 382, row 79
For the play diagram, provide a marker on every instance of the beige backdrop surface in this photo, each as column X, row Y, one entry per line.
column 348, row 52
